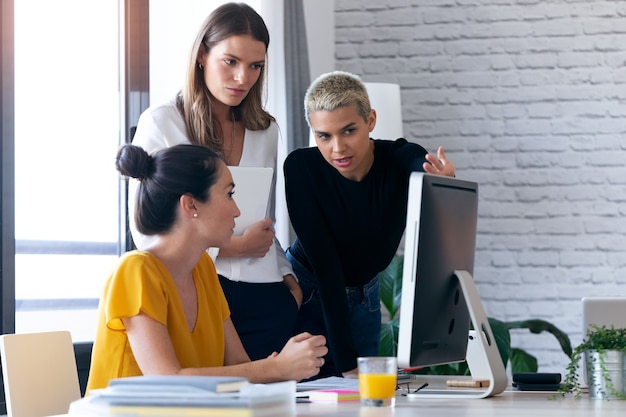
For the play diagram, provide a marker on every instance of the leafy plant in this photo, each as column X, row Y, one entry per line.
column 390, row 281
column 600, row 340
column 520, row 360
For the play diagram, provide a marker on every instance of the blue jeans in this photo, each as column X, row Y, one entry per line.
column 365, row 315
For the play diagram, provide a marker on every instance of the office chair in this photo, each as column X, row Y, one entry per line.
column 40, row 374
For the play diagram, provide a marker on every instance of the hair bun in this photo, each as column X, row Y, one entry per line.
column 133, row 161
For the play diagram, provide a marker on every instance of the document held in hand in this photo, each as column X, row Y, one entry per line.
column 253, row 186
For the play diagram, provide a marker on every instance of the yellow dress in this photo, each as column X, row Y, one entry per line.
column 142, row 283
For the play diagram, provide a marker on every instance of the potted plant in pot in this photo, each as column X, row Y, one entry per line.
column 603, row 353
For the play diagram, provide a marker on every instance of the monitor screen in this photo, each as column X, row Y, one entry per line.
column 442, row 214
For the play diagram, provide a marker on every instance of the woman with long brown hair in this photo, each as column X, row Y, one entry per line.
column 220, row 106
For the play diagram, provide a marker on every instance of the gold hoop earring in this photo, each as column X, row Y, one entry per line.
column 201, row 66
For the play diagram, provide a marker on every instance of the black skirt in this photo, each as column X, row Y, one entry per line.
column 264, row 315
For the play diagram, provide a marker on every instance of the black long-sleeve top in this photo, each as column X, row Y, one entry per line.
column 348, row 231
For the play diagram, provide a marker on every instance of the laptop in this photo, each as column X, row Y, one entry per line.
column 253, row 186
column 603, row 311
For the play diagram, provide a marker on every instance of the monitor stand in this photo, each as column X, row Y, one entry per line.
column 483, row 357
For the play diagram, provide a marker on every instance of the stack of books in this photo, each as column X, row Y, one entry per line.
column 181, row 396
column 333, row 395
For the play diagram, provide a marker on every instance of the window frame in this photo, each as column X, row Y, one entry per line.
column 134, row 92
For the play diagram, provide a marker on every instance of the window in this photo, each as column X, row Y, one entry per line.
column 67, row 131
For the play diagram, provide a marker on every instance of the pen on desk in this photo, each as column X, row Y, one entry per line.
column 424, row 385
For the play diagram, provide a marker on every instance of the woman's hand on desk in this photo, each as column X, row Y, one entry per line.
column 354, row 373
column 302, row 357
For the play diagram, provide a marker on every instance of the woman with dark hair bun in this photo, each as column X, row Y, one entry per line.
column 163, row 311
column 220, row 106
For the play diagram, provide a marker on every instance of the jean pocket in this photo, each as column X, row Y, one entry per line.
column 372, row 295
column 308, row 298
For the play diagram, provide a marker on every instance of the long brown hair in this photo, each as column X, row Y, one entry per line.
column 194, row 100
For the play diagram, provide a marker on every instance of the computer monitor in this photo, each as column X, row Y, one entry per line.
column 440, row 302
column 440, row 238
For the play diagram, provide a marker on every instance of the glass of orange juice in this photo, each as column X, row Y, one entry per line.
column 377, row 381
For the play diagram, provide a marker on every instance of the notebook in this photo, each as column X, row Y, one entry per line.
column 252, row 193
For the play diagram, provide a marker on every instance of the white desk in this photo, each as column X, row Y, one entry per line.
column 511, row 403
column 507, row 404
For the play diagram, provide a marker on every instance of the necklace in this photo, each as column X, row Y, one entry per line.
column 232, row 135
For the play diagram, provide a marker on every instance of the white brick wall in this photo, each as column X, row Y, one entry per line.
column 528, row 97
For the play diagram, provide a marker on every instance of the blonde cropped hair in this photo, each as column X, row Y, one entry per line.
column 337, row 89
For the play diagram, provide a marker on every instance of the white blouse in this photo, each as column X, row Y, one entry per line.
column 162, row 126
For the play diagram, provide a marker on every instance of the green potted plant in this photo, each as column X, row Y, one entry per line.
column 520, row 360
column 603, row 353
